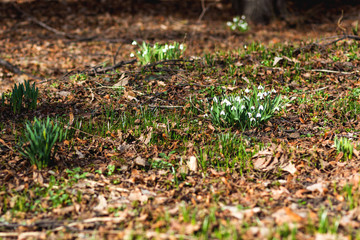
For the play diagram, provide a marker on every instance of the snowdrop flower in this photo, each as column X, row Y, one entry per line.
column 276, row 109
column 261, row 108
column 226, row 102
column 265, row 94
column 134, row 43
column 258, row 115
column 243, row 25
column 233, row 27
column 260, row 95
column 252, row 119
column 206, row 115
column 164, row 50
column 237, row 99
column 273, row 91
column 222, row 112
column 260, row 87
column 243, row 17
column 233, row 108
column 229, row 24
column 171, row 47
column 242, row 107
column 132, row 55
column 247, row 90
column 181, row 46
column 211, row 108
column 145, row 52
column 215, row 99
column 252, row 108
column 249, row 113
column 235, row 19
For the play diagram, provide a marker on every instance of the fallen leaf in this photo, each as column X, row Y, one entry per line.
column 289, row 167
column 192, row 164
column 140, row 161
column 317, row 187
column 102, row 204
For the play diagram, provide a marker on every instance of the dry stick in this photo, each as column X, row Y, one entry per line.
column 51, row 29
column 116, row 54
column 16, row 70
column 95, row 70
column 204, row 9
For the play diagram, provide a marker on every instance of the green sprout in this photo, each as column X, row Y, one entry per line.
column 23, row 96
column 41, row 136
column 345, row 146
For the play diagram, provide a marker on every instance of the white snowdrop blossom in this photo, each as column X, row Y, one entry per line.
column 211, row 108
column 164, row 50
column 260, row 95
column 252, row 119
column 265, row 94
column 243, row 25
column 273, row 91
column 258, row 115
column 252, row 108
column 247, row 90
column 237, row 99
column 243, row 17
column 215, row 99
column 145, row 52
column 233, row 27
column 260, row 87
column 276, row 109
column 235, row 19
column 229, row 24
column 227, row 102
column 206, row 115
column 261, row 108
column 249, row 113
column 242, row 107
column 134, row 43
column 233, row 108
column 222, row 112
column 171, row 47
column 132, row 55
column 181, row 46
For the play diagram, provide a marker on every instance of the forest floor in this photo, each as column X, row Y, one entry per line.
column 143, row 157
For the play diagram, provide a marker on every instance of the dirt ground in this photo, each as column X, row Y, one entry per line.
column 52, row 40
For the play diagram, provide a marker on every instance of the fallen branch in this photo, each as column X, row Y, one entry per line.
column 51, row 29
column 16, row 70
column 311, row 46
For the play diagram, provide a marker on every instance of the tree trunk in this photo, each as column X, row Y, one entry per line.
column 260, row 11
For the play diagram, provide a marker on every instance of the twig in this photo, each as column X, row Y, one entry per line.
column 99, row 70
column 116, row 54
column 153, row 106
column 16, row 70
column 51, row 29
column 204, row 9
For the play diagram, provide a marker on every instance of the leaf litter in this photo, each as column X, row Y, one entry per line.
column 142, row 168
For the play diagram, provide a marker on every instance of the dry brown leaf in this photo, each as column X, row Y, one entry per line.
column 320, row 187
column 140, row 161
column 123, row 81
column 192, row 164
column 289, row 167
column 102, row 204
